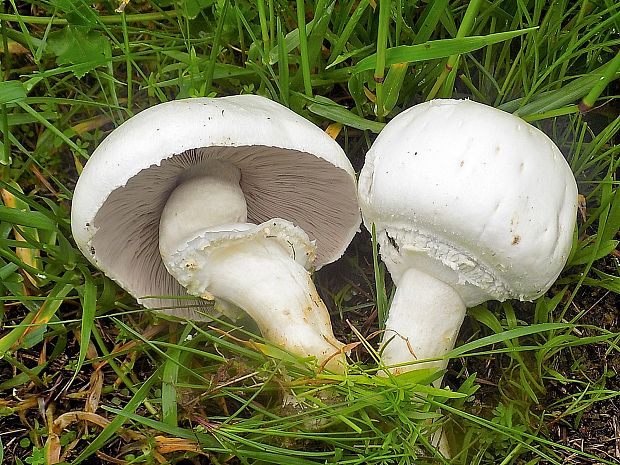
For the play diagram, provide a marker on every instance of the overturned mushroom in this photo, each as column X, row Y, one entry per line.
column 231, row 199
column 470, row 204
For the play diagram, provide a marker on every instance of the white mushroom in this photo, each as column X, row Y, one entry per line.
column 470, row 204
column 232, row 199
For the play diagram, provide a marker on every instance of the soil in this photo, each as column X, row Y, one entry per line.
column 597, row 429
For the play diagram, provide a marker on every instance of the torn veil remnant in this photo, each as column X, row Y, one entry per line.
column 469, row 204
column 232, row 199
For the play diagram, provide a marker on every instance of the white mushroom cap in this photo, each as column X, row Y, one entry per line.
column 474, row 196
column 290, row 169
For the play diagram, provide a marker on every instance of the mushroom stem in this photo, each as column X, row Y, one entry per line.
column 201, row 202
column 210, row 249
column 423, row 323
column 260, row 277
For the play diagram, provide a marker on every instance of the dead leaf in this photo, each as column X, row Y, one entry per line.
column 94, row 391
column 333, row 130
column 52, row 449
column 27, row 255
column 90, row 124
column 167, row 445
column 122, row 5
column 581, row 205
column 14, row 48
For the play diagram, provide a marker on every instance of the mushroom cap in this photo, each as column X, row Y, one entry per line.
column 473, row 195
column 290, row 169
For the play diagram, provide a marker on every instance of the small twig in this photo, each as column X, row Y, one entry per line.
column 616, row 436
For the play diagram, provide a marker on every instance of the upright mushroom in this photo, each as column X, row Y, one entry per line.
column 470, row 204
column 231, row 199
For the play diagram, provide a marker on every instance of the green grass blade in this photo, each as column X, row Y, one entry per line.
column 215, row 48
column 347, row 31
column 322, row 15
column 30, row 219
column 551, row 100
column 446, row 79
column 283, row 70
column 303, row 47
column 507, row 336
column 169, row 381
column 593, row 252
column 331, row 110
column 379, row 270
column 393, row 84
column 12, row 92
column 612, row 224
column 605, row 280
column 435, row 49
column 385, row 7
column 429, row 20
column 291, row 42
column 264, row 27
column 88, row 300
column 32, row 328
column 610, row 72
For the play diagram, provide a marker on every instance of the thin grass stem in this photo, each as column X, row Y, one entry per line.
column 128, row 65
column 115, row 19
column 303, row 47
column 215, row 48
column 382, row 39
column 5, row 156
column 588, row 102
column 264, row 27
column 467, row 25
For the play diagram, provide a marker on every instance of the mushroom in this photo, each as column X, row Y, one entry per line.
column 469, row 204
column 231, row 200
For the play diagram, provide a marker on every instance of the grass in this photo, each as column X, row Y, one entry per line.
column 86, row 376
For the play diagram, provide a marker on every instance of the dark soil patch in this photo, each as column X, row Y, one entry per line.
column 596, row 429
